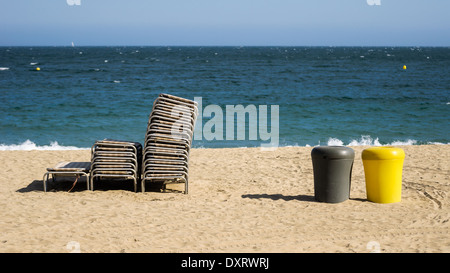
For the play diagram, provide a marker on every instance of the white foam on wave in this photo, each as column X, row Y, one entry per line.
column 28, row 145
column 4, row 68
column 437, row 143
column 335, row 142
column 365, row 141
column 369, row 141
column 407, row 142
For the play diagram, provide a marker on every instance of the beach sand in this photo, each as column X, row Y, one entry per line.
column 240, row 200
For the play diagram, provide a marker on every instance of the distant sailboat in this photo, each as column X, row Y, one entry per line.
column 73, row 45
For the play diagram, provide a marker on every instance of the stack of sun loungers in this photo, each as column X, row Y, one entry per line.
column 168, row 141
column 116, row 159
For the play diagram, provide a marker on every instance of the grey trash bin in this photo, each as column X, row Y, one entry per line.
column 332, row 173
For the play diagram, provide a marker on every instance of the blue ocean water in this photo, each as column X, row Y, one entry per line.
column 326, row 95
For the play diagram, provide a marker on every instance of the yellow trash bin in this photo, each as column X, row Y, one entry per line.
column 383, row 172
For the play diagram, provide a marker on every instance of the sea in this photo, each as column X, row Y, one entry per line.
column 56, row 98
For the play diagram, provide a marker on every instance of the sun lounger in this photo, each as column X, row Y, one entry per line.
column 168, row 141
column 76, row 169
column 116, row 159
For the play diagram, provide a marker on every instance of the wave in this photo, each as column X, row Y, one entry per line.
column 369, row 141
column 28, row 145
column 4, row 68
column 365, row 141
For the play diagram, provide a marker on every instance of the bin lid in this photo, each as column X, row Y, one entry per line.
column 383, row 153
column 333, row 152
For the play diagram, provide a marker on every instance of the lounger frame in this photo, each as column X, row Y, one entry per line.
column 64, row 169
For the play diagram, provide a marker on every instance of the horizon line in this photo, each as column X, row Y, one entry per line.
column 199, row 45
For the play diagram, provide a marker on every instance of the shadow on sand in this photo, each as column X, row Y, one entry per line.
column 306, row 198
column 61, row 184
column 65, row 184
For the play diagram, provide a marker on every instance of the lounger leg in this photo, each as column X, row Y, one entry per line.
column 143, row 185
column 87, row 181
column 44, row 180
column 135, row 184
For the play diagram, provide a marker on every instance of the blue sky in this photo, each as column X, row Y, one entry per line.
column 226, row 22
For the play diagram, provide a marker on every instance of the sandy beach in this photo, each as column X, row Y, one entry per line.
column 240, row 200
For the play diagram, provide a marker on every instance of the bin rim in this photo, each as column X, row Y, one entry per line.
column 333, row 152
column 383, row 153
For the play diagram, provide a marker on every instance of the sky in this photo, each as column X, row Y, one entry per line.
column 225, row 22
